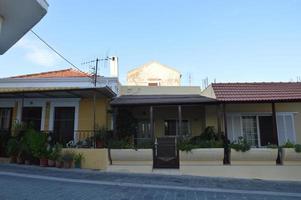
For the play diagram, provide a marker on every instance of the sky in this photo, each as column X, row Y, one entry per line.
column 224, row 40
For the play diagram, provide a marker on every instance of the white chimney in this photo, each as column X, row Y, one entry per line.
column 114, row 66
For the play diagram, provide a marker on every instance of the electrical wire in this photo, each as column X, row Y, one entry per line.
column 59, row 54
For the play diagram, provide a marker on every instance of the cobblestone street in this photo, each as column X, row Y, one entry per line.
column 20, row 182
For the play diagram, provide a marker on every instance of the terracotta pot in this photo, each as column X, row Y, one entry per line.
column 27, row 162
column 58, row 164
column 51, row 163
column 99, row 144
column 67, row 164
column 13, row 159
column 43, row 162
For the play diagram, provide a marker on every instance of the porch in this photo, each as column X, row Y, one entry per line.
column 69, row 114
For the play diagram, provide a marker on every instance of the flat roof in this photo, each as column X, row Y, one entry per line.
column 55, row 92
column 125, row 100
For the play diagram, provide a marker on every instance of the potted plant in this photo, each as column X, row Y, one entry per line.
column 100, row 137
column 38, row 144
column 290, row 154
column 68, row 158
column 58, row 162
column 242, row 154
column 54, row 154
column 78, row 158
column 12, row 149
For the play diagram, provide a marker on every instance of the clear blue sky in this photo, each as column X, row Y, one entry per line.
column 230, row 41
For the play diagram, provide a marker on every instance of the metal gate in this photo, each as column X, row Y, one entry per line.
column 166, row 154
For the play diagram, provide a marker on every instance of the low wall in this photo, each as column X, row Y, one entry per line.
column 93, row 158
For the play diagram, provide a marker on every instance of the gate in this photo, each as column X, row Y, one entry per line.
column 166, row 154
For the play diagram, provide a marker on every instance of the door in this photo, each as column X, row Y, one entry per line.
column 64, row 124
column 266, row 131
column 32, row 116
column 166, row 154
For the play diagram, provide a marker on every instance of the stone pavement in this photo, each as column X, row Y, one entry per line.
column 31, row 182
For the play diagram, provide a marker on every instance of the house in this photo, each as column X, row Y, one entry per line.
column 153, row 74
column 17, row 18
column 263, row 113
column 65, row 103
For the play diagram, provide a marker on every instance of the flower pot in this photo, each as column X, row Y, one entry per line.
column 51, row 163
column 255, row 156
column 20, row 160
column 99, row 144
column 58, row 164
column 67, row 164
column 43, row 162
column 77, row 165
column 13, row 159
column 27, row 162
column 202, row 156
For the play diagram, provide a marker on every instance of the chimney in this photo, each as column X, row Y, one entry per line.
column 114, row 66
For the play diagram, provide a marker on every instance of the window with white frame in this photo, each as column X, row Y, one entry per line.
column 250, row 130
column 248, row 126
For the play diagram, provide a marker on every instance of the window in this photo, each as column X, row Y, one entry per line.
column 144, row 129
column 172, row 127
column 285, row 128
column 250, row 130
column 5, row 119
column 153, row 84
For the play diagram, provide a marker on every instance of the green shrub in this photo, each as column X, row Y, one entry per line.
column 68, row 156
column 12, row 147
column 55, row 152
column 78, row 158
column 288, row 144
column 120, row 144
column 240, row 145
column 37, row 143
column 298, row 148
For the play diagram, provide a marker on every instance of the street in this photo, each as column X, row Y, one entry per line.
column 30, row 182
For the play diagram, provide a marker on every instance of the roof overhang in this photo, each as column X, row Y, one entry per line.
column 18, row 17
column 132, row 100
column 6, row 93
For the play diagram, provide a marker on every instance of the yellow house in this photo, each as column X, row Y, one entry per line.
column 63, row 102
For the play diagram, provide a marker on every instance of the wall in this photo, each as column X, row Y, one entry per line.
column 86, row 113
column 154, row 72
column 164, row 90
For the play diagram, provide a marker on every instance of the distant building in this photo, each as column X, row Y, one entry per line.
column 153, row 74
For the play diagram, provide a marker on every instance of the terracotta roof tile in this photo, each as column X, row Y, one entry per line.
column 273, row 91
column 55, row 74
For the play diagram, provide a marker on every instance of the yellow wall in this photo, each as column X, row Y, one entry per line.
column 86, row 110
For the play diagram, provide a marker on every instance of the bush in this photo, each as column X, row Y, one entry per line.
column 120, row 144
column 37, row 143
column 12, row 147
column 298, row 148
column 241, row 145
column 288, row 144
column 55, row 152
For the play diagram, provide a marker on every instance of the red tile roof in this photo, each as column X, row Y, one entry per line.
column 55, row 74
column 274, row 91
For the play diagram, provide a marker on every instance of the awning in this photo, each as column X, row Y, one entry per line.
column 161, row 100
column 55, row 92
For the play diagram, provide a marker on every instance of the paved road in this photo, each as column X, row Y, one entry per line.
column 19, row 182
